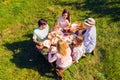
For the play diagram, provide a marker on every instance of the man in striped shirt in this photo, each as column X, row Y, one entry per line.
column 90, row 35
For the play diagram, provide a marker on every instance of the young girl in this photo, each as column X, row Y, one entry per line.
column 62, row 57
column 56, row 31
column 77, row 28
column 78, row 49
column 64, row 20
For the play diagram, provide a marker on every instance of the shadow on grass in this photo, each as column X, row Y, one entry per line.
column 25, row 55
column 103, row 55
column 97, row 8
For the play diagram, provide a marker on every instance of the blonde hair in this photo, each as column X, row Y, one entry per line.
column 61, row 47
column 56, row 26
column 81, row 26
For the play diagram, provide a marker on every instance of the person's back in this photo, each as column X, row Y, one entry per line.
column 64, row 61
column 63, row 56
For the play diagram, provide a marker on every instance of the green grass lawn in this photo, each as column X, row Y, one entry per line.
column 19, row 59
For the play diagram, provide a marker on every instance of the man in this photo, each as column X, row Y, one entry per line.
column 90, row 35
column 40, row 33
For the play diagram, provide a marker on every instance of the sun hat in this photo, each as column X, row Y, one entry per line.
column 89, row 22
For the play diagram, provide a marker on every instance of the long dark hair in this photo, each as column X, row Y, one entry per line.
column 66, row 11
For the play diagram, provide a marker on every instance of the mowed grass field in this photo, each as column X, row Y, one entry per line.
column 19, row 60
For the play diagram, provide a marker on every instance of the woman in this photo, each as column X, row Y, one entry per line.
column 64, row 20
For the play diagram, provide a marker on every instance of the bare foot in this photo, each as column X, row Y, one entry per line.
column 73, row 62
column 84, row 56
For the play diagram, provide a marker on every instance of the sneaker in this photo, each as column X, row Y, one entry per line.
column 93, row 52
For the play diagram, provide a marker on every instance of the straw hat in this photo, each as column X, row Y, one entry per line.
column 89, row 22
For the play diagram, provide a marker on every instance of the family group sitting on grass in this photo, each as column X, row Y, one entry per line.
column 67, row 42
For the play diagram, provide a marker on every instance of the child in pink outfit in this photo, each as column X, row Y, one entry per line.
column 62, row 57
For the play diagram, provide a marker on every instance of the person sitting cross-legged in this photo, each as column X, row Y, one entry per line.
column 40, row 34
column 90, row 36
